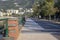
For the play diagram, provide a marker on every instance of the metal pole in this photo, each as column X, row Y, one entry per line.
column 7, row 28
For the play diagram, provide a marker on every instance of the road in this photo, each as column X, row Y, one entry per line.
column 40, row 29
column 41, row 26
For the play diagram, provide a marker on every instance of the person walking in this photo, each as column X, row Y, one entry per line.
column 22, row 20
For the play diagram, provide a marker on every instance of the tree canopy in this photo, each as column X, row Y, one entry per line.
column 44, row 6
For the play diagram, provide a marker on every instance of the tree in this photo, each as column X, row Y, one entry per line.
column 57, row 5
column 37, row 7
column 46, row 7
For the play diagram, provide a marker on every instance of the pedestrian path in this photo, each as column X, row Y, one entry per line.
column 31, row 26
column 36, row 36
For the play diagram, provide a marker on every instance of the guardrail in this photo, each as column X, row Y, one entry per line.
column 7, row 38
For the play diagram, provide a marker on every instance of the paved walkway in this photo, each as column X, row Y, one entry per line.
column 36, row 36
column 28, row 32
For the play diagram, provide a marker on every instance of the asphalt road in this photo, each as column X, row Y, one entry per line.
column 32, row 25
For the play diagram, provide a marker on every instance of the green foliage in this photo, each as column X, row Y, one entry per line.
column 36, row 7
column 58, row 4
column 48, row 8
column 45, row 6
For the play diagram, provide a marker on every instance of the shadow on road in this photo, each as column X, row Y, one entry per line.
column 50, row 27
column 56, row 35
column 47, row 24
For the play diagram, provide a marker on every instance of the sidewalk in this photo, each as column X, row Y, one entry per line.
column 36, row 36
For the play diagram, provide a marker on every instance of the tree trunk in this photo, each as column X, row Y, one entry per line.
column 49, row 17
column 54, row 17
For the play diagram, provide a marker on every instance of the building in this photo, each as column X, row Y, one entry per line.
column 29, row 10
column 2, row 14
column 13, row 11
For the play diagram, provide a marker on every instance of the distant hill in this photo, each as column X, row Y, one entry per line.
column 25, row 3
column 10, row 3
column 6, row 4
